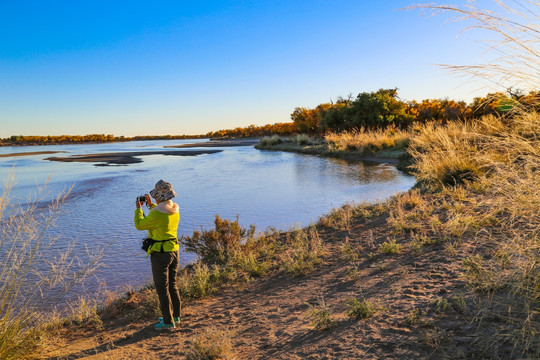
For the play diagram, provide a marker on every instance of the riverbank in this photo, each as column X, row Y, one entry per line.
column 447, row 270
column 389, row 156
column 219, row 143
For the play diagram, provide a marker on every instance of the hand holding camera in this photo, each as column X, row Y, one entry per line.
column 143, row 199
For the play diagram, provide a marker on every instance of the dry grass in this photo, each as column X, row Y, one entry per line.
column 509, row 33
column 211, row 344
column 28, row 276
column 484, row 182
column 369, row 142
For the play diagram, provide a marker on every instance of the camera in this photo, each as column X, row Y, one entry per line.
column 141, row 199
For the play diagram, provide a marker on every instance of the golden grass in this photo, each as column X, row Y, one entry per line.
column 369, row 142
column 484, row 181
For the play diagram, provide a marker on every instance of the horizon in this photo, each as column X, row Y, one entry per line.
column 184, row 68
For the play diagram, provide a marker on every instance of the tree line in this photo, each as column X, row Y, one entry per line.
column 383, row 108
column 369, row 110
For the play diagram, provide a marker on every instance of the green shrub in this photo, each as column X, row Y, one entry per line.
column 390, row 247
column 321, row 316
column 305, row 253
column 200, row 282
column 360, row 309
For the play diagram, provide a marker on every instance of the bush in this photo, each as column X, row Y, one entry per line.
column 321, row 316
column 390, row 247
column 305, row 253
column 200, row 282
column 360, row 309
column 303, row 139
column 217, row 245
column 270, row 141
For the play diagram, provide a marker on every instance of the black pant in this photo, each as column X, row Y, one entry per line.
column 164, row 268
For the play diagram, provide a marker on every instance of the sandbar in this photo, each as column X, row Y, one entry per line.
column 218, row 143
column 124, row 158
column 31, row 153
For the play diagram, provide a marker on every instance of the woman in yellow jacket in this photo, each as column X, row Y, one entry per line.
column 162, row 224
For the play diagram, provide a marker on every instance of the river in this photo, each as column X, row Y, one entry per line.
column 263, row 188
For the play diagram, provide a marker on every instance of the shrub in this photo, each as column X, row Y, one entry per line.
column 305, row 253
column 217, row 245
column 360, row 309
column 270, row 141
column 321, row 316
column 390, row 247
column 200, row 282
column 303, row 139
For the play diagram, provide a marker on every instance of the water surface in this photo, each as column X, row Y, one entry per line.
column 264, row 188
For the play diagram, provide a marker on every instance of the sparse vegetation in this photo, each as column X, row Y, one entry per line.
column 27, row 279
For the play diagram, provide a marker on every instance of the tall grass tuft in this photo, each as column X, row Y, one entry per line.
column 511, row 34
column 27, row 277
column 369, row 142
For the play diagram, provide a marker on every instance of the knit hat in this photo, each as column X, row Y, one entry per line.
column 163, row 191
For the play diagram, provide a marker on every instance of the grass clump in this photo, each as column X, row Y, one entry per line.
column 369, row 142
column 390, row 247
column 200, row 282
column 267, row 141
column 321, row 316
column 303, row 139
column 305, row 252
column 360, row 308
column 211, row 344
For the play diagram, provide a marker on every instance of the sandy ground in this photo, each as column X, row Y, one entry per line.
column 268, row 318
column 124, row 158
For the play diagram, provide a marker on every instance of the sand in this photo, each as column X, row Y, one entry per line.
column 125, row 158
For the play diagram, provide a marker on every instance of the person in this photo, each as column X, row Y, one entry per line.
column 162, row 224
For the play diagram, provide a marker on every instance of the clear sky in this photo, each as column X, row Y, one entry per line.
column 189, row 67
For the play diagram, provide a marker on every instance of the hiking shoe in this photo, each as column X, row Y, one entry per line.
column 176, row 320
column 161, row 326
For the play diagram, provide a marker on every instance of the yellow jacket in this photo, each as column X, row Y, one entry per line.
column 161, row 223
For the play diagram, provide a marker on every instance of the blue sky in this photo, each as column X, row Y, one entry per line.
column 177, row 67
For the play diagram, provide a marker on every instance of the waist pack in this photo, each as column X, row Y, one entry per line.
column 148, row 242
